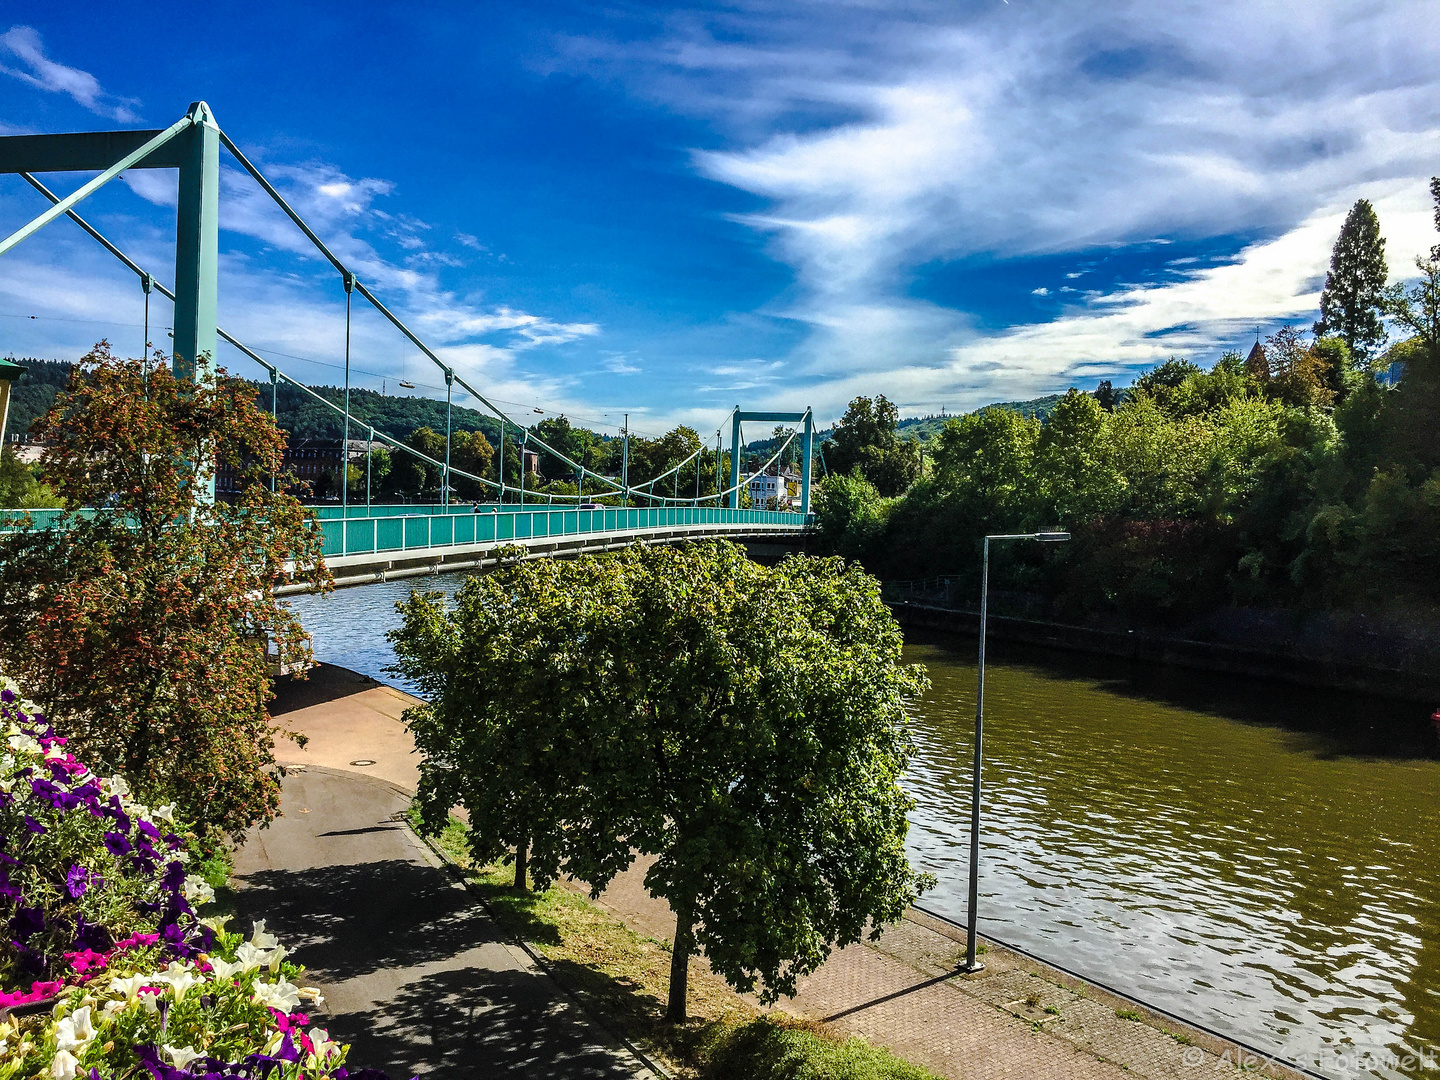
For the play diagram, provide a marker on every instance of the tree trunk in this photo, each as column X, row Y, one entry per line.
column 522, row 861
column 680, row 965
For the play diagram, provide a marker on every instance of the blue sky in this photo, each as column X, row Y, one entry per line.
column 668, row 210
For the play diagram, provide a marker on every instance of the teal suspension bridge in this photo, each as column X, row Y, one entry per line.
column 363, row 540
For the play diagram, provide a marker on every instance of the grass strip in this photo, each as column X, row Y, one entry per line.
column 625, row 976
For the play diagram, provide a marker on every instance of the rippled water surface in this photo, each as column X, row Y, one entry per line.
column 1259, row 858
column 1230, row 850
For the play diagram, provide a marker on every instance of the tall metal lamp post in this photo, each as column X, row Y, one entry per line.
column 1049, row 536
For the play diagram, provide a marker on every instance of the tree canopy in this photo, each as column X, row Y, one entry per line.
column 865, row 440
column 1354, row 298
column 744, row 725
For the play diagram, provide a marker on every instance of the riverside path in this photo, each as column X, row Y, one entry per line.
column 1017, row 1019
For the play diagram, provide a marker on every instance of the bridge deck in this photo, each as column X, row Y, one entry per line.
column 402, row 541
column 374, row 543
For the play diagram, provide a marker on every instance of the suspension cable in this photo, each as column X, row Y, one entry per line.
column 275, row 373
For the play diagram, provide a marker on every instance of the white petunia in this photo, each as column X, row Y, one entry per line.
column 276, row 955
column 64, row 1065
column 182, row 1055
column 129, row 985
column 260, row 939
column 197, row 890
column 281, row 995
column 216, row 922
column 164, row 813
column 75, row 1031
column 178, row 977
column 223, row 969
column 113, row 1009
column 250, row 958
column 325, row 1047
column 116, row 785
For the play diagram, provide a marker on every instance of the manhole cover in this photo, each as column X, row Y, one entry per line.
column 363, row 761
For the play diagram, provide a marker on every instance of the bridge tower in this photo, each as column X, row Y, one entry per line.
column 807, row 440
column 191, row 145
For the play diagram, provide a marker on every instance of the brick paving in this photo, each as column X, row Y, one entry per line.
column 1016, row 1019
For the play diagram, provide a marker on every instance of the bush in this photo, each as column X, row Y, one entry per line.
column 775, row 1049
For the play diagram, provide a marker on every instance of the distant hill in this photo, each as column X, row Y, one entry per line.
column 299, row 414
column 926, row 428
column 32, row 395
column 398, row 415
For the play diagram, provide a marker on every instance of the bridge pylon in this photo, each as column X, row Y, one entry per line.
column 806, row 449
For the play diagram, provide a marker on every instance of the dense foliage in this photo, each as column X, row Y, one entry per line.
column 864, row 442
column 104, row 938
column 1256, row 483
column 744, row 725
column 142, row 625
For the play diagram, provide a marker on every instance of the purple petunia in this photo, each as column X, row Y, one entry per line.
column 117, row 844
column 27, row 921
column 77, row 880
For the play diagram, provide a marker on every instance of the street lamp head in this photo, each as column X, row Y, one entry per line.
column 1052, row 536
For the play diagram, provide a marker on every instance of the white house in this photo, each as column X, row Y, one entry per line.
column 771, row 492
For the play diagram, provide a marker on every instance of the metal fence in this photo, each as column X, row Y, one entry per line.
column 359, row 530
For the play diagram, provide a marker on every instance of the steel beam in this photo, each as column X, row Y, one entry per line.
column 83, row 151
column 805, row 450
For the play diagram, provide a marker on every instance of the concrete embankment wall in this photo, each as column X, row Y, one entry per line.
column 1328, row 673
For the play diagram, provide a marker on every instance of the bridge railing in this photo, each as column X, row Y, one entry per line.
column 405, row 530
column 414, row 527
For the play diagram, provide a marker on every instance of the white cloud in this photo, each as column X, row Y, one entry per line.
column 24, row 44
column 883, row 138
column 620, row 364
column 1042, row 291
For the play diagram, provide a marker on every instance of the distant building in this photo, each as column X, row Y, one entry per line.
column 24, row 447
column 769, row 491
column 311, row 461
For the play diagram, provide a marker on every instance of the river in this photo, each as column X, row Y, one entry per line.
column 1260, row 858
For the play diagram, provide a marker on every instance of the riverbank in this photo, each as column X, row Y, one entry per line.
column 1018, row 1018
column 1406, row 684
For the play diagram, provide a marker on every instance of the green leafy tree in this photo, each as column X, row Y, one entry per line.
column 865, row 438
column 20, row 488
column 746, row 726
column 1355, row 294
column 1075, row 476
column 142, row 627
column 380, row 463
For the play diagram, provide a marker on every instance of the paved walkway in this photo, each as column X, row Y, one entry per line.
column 415, row 975
column 901, row 992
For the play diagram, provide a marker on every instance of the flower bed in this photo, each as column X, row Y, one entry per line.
column 108, row 971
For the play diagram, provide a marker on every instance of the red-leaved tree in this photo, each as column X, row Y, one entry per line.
column 139, row 619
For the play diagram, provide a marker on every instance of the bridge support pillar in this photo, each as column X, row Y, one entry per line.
column 735, row 461
column 805, row 450
column 197, row 246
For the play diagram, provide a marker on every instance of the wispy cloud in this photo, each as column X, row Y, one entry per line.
column 620, row 364
column 24, row 44
column 883, row 137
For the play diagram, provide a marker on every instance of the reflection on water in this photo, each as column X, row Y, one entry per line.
column 1269, row 881
column 1259, row 858
column 348, row 626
